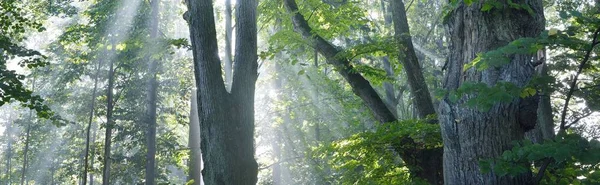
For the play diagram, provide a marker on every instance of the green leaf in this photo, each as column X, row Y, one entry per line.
column 563, row 15
column 468, row 2
column 527, row 92
column 487, row 7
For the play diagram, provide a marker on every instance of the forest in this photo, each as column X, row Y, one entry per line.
column 291, row 92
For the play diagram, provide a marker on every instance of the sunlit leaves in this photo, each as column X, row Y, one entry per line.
column 572, row 157
column 14, row 23
column 374, row 75
column 377, row 47
column 502, row 56
column 368, row 157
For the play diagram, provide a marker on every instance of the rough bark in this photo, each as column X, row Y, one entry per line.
column 407, row 55
column 226, row 119
column 469, row 134
column 151, row 99
column 424, row 164
column 109, row 125
column 195, row 164
column 89, row 125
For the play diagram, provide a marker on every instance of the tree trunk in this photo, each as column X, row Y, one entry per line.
column 228, row 66
column 276, row 143
column 429, row 161
column 109, row 125
column 8, row 133
column 390, row 96
column 92, row 153
column 226, row 119
column 359, row 84
column 544, row 128
column 151, row 98
column 469, row 134
column 27, row 139
column 407, row 55
column 194, row 143
column 89, row 126
column 423, row 163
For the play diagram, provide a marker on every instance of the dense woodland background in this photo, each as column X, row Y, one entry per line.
column 299, row 92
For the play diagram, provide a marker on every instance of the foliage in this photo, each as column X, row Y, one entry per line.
column 369, row 158
column 569, row 158
column 14, row 23
column 575, row 160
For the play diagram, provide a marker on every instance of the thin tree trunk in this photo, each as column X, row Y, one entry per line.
column 194, row 142
column 90, row 121
column 429, row 161
column 407, row 55
column 27, row 139
column 276, row 174
column 227, row 139
column 228, row 67
column 92, row 153
column 9, row 149
column 109, row 125
column 277, row 140
column 469, row 134
column 152, row 99
column 390, row 95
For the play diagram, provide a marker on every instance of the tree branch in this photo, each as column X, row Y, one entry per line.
column 360, row 86
column 573, row 85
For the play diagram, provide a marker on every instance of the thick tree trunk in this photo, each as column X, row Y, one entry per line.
column 469, row 134
column 151, row 98
column 226, row 119
column 109, row 125
column 89, row 125
column 195, row 164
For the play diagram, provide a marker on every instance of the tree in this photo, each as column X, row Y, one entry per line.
column 30, row 122
column 470, row 133
column 110, row 122
column 424, row 163
column 408, row 57
column 89, row 127
column 152, row 97
column 14, row 23
column 227, row 139
column 195, row 164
